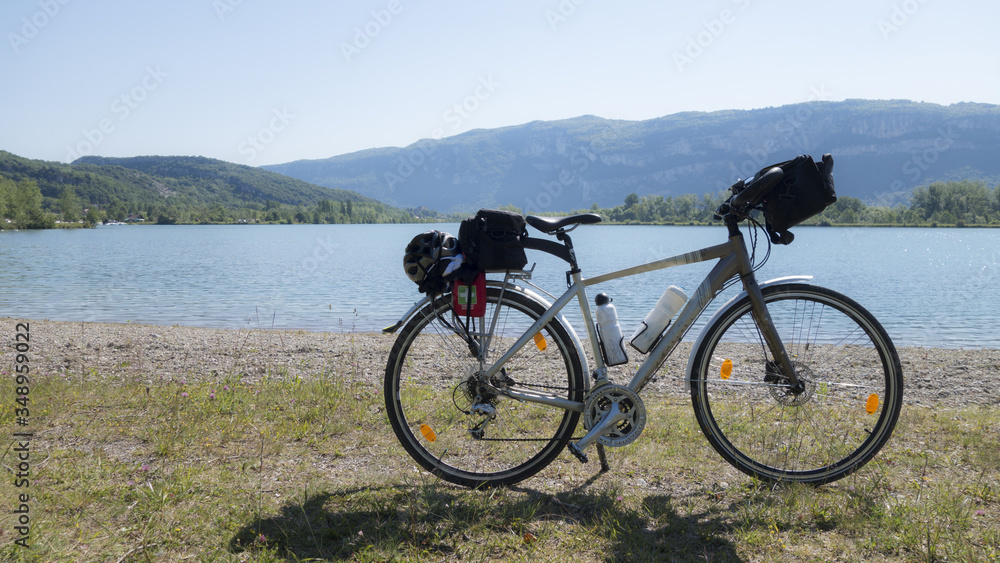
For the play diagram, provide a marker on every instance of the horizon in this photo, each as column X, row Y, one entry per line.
column 264, row 84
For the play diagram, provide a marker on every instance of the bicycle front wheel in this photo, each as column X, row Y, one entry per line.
column 459, row 424
column 832, row 424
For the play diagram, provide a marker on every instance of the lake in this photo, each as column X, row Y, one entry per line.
column 928, row 287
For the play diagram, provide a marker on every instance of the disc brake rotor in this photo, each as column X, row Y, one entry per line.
column 782, row 390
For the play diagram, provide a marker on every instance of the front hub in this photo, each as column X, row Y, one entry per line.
column 782, row 389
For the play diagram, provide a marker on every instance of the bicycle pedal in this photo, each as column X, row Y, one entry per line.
column 578, row 453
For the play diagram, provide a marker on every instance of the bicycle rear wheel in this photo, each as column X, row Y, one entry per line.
column 458, row 424
column 852, row 395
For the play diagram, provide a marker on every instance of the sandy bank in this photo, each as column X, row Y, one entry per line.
column 152, row 353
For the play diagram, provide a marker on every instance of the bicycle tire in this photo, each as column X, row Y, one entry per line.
column 431, row 383
column 853, row 387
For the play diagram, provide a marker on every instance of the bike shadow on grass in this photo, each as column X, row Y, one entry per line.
column 438, row 521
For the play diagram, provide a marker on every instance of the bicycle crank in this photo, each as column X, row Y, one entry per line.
column 614, row 416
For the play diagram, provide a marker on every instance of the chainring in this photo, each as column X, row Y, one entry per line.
column 603, row 401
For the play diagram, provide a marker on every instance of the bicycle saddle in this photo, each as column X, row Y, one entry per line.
column 550, row 225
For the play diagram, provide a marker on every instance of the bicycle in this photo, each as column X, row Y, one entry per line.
column 789, row 381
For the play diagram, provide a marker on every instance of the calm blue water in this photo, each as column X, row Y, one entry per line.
column 929, row 287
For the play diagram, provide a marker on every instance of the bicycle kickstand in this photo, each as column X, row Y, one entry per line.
column 603, row 457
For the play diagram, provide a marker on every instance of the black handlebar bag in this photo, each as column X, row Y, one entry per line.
column 492, row 240
column 805, row 190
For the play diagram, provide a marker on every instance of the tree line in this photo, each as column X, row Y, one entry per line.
column 956, row 203
column 22, row 206
column 267, row 212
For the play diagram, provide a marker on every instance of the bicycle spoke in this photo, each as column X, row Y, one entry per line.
column 460, row 424
column 835, row 420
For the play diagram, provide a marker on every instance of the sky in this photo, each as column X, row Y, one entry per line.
column 262, row 82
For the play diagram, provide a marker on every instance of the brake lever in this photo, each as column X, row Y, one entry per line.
column 737, row 187
column 722, row 211
column 725, row 207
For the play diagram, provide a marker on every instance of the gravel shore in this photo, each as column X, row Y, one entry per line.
column 933, row 376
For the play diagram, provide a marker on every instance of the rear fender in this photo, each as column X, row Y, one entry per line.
column 534, row 296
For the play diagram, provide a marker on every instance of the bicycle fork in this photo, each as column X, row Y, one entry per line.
column 770, row 335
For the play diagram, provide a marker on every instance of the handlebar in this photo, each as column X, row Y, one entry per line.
column 746, row 194
column 758, row 188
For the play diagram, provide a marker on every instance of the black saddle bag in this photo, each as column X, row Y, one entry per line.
column 492, row 240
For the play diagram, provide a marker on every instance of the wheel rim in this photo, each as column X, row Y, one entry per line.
column 479, row 435
column 820, row 432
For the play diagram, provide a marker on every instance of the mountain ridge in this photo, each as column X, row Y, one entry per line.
column 883, row 148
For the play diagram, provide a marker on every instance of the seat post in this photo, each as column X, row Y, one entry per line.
column 564, row 237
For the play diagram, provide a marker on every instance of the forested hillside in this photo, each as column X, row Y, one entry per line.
column 36, row 193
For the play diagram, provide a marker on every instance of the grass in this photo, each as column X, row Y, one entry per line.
column 305, row 470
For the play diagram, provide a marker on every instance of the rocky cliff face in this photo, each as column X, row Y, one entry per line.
column 883, row 149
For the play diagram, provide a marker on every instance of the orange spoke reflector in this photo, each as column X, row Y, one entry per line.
column 871, row 405
column 540, row 341
column 428, row 433
column 727, row 369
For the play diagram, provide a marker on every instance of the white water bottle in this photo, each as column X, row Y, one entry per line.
column 609, row 333
column 656, row 322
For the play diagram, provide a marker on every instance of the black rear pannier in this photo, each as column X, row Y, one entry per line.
column 805, row 190
column 492, row 240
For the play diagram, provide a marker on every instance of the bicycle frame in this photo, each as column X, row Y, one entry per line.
column 733, row 260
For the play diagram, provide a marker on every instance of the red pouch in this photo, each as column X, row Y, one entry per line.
column 470, row 299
